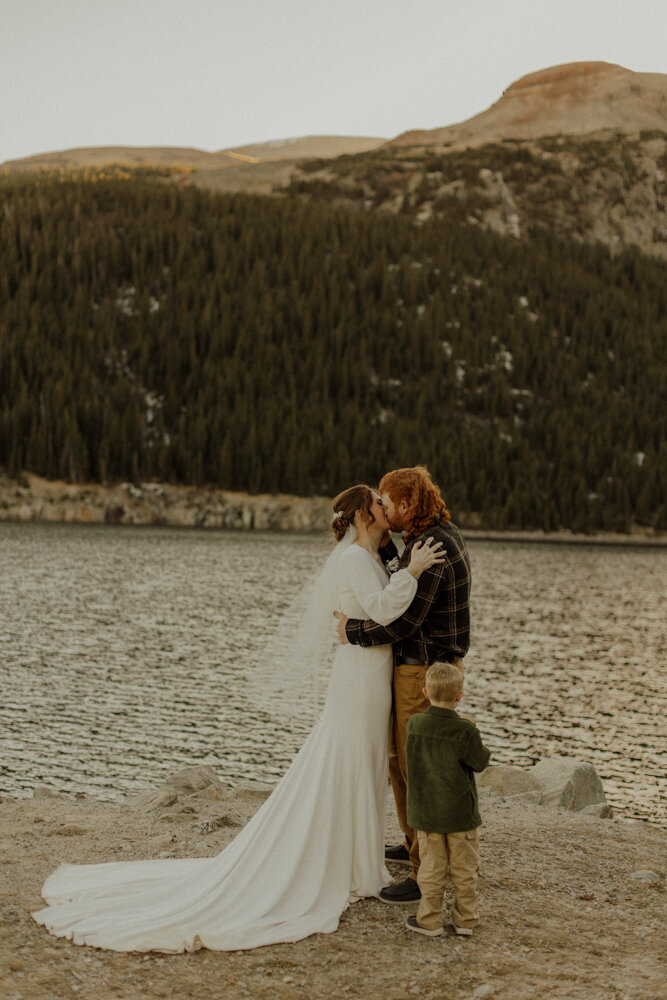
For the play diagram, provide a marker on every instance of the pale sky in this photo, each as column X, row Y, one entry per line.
column 221, row 73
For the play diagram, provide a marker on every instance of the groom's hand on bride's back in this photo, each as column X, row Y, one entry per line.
column 342, row 621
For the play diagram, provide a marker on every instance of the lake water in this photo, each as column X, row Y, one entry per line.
column 124, row 654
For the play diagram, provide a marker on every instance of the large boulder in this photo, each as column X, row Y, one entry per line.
column 569, row 783
column 507, row 781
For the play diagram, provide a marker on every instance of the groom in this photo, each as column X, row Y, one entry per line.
column 436, row 626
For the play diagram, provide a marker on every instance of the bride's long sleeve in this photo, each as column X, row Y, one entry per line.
column 382, row 604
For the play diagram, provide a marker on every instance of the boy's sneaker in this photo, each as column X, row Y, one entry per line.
column 412, row 925
column 397, row 855
column 462, row 931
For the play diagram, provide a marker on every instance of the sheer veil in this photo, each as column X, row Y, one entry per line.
column 289, row 680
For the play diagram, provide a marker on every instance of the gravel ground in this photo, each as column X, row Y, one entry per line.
column 563, row 915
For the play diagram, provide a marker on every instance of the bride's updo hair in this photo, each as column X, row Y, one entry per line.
column 347, row 504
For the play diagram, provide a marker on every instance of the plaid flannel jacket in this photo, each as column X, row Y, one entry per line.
column 436, row 626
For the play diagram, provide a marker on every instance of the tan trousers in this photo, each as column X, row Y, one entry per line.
column 408, row 699
column 458, row 853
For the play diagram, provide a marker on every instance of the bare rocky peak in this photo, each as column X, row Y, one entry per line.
column 572, row 99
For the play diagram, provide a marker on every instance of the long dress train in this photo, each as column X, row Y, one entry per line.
column 313, row 847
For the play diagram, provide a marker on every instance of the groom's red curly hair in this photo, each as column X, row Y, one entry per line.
column 417, row 489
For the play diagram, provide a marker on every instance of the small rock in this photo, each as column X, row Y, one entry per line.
column 487, row 990
column 601, row 810
column 647, row 876
column 154, row 799
column 218, row 824
column 70, row 830
column 42, row 792
column 211, row 793
column 194, row 779
column 252, row 790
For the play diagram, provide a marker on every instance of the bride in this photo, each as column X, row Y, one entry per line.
column 317, row 843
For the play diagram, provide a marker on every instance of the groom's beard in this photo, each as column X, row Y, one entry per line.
column 393, row 525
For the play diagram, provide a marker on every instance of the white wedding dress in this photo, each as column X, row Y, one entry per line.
column 313, row 847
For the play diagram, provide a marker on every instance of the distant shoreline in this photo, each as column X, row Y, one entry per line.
column 31, row 499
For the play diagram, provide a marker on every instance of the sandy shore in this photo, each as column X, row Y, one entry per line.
column 564, row 915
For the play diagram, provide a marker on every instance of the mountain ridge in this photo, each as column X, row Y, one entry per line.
column 578, row 98
column 189, row 156
column 570, row 99
column 604, row 185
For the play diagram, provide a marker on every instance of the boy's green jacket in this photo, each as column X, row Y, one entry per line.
column 442, row 751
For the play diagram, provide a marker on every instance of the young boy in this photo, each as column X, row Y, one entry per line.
column 443, row 749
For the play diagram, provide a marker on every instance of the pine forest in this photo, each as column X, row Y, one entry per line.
column 151, row 331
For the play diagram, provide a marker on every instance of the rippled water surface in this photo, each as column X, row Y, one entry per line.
column 124, row 654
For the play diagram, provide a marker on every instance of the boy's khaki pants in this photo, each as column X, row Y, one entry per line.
column 458, row 852
column 407, row 699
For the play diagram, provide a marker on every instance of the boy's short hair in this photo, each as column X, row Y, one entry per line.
column 443, row 681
